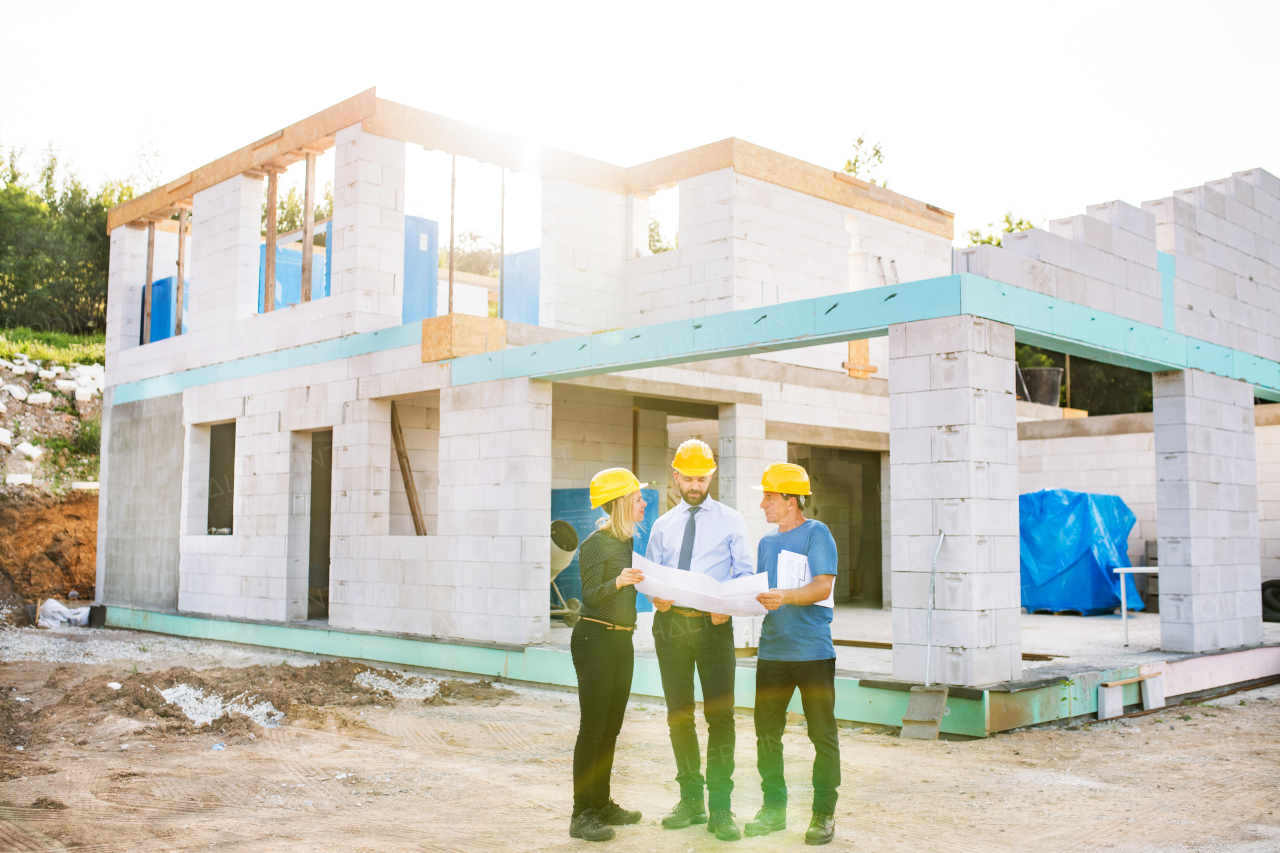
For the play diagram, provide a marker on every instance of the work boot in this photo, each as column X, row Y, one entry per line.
column 686, row 813
column 821, row 829
column 721, row 823
column 767, row 820
column 587, row 826
column 615, row 815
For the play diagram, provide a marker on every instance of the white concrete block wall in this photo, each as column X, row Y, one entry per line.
column 1225, row 237
column 953, row 467
column 368, row 227
column 298, row 546
column 1268, row 438
column 225, row 227
column 421, row 427
column 585, row 239
column 1207, row 505
column 495, row 503
column 592, row 430
column 1122, row 465
column 743, row 455
column 126, row 278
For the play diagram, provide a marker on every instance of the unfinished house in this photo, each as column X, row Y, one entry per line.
column 354, row 440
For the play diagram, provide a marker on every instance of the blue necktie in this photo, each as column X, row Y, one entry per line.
column 686, row 547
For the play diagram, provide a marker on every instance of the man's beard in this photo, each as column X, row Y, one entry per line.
column 693, row 498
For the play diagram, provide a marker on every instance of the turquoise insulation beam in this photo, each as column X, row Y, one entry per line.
column 395, row 337
column 1167, row 265
column 549, row 666
column 1038, row 319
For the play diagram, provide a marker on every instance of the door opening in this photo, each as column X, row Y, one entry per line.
column 318, row 553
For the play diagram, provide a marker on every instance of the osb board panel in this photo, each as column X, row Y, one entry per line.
column 435, row 132
column 253, row 156
column 456, row 335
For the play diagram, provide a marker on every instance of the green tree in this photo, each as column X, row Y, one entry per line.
column 866, row 159
column 472, row 253
column 289, row 210
column 657, row 243
column 996, row 238
column 54, row 247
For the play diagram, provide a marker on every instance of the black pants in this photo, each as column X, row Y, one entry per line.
column 684, row 643
column 603, row 659
column 776, row 682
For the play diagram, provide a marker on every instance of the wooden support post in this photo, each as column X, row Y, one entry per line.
column 269, row 263
column 406, row 473
column 151, row 274
column 453, row 192
column 182, row 271
column 308, row 225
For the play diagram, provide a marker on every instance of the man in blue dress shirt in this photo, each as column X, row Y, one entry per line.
column 699, row 535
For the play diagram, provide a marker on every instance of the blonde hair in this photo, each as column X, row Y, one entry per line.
column 619, row 523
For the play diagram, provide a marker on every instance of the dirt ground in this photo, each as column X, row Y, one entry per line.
column 483, row 767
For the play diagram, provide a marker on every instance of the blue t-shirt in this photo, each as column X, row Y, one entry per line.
column 798, row 631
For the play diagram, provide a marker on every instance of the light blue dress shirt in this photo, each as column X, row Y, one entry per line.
column 720, row 547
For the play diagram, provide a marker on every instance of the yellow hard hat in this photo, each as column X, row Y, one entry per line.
column 784, row 478
column 611, row 484
column 693, row 459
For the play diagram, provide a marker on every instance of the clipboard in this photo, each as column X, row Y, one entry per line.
column 794, row 572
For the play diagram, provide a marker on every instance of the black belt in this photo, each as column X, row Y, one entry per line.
column 688, row 611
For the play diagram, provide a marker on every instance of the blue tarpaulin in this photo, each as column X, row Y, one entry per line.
column 1071, row 541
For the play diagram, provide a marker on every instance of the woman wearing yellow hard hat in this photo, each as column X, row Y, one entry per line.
column 603, row 656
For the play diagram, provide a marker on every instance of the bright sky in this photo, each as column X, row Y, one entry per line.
column 980, row 107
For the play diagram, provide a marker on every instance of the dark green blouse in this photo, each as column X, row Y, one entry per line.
column 602, row 558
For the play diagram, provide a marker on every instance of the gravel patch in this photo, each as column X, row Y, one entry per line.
column 203, row 709
column 407, row 687
column 67, row 644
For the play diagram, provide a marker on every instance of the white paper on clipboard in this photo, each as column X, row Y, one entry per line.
column 793, row 573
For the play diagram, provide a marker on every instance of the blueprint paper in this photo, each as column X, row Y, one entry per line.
column 735, row 597
column 793, row 573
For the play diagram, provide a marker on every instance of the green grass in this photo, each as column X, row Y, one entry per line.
column 57, row 347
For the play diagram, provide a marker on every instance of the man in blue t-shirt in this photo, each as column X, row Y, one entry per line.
column 795, row 651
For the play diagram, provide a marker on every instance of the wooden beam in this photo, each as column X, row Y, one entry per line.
column 182, row 271
column 146, row 291
column 859, row 363
column 269, row 265
column 406, row 472
column 312, row 132
column 308, row 225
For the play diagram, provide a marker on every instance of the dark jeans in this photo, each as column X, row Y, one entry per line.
column 776, row 682
column 603, row 660
column 684, row 643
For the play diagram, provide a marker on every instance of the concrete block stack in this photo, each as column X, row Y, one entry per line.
column 1104, row 259
column 494, row 568
column 1225, row 237
column 1206, row 498
column 225, row 226
column 584, row 243
column 368, row 227
column 126, row 280
column 884, row 252
column 953, row 468
column 743, row 455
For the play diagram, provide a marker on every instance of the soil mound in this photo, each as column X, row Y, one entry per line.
column 49, row 543
column 482, row 692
